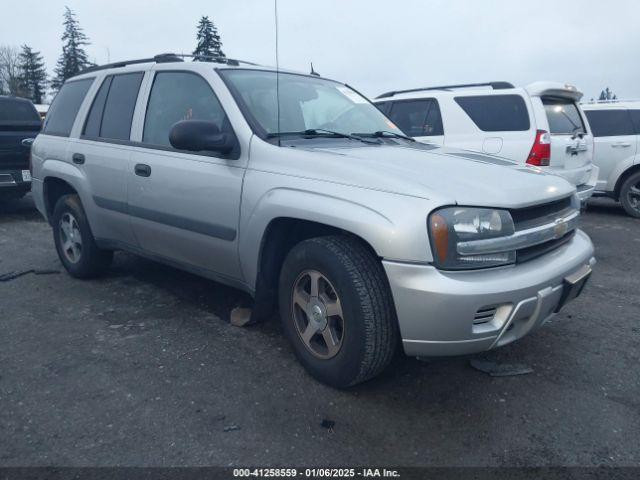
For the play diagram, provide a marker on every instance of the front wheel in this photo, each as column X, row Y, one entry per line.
column 630, row 195
column 337, row 310
column 74, row 241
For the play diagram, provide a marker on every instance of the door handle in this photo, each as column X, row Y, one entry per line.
column 621, row 144
column 27, row 142
column 78, row 158
column 142, row 170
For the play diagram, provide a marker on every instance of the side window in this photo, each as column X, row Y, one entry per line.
column 63, row 111
column 610, row 123
column 496, row 113
column 417, row 118
column 383, row 107
column 94, row 119
column 635, row 118
column 177, row 96
column 112, row 110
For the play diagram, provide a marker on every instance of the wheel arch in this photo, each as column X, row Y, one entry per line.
column 623, row 177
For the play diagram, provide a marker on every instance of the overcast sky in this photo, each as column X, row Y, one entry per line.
column 373, row 45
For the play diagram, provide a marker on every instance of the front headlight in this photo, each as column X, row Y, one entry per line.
column 451, row 225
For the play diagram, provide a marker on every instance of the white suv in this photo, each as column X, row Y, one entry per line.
column 616, row 126
column 541, row 124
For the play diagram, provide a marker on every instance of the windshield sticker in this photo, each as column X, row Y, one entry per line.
column 351, row 95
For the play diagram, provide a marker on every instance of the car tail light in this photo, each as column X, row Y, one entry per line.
column 541, row 150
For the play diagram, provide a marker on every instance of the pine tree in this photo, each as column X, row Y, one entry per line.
column 74, row 59
column 33, row 74
column 607, row 94
column 209, row 43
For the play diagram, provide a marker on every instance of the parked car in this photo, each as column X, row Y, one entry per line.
column 540, row 125
column 616, row 129
column 19, row 125
column 360, row 234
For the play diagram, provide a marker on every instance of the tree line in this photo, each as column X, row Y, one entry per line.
column 23, row 72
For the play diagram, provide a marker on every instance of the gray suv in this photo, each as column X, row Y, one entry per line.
column 296, row 189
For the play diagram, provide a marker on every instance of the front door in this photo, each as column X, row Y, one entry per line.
column 184, row 207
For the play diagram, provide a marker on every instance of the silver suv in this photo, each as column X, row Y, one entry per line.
column 298, row 190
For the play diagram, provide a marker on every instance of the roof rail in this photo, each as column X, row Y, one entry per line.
column 494, row 85
column 613, row 100
column 167, row 58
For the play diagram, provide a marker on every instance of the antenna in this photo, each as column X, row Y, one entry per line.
column 275, row 4
column 313, row 72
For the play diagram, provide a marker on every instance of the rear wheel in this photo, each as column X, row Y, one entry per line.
column 74, row 241
column 630, row 195
column 337, row 310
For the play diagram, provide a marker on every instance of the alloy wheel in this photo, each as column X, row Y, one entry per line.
column 317, row 314
column 633, row 196
column 70, row 238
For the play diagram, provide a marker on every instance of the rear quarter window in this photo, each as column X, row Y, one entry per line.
column 496, row 113
column 563, row 116
column 65, row 107
column 610, row 123
column 17, row 111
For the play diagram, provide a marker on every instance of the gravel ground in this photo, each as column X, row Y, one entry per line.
column 143, row 368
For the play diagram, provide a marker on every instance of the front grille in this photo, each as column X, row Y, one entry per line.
column 531, row 217
column 529, row 253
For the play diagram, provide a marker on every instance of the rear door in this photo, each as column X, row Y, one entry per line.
column 103, row 152
column 418, row 118
column 571, row 144
column 614, row 142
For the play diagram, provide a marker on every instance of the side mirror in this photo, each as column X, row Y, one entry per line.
column 199, row 136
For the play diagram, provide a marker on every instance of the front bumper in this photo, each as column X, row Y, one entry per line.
column 437, row 310
column 13, row 181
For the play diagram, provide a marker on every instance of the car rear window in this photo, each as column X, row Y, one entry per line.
column 563, row 116
column 417, row 118
column 610, row 123
column 111, row 114
column 63, row 111
column 17, row 110
column 496, row 113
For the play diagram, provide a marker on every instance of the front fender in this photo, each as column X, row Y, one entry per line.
column 395, row 228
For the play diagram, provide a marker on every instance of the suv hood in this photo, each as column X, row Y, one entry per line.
column 442, row 174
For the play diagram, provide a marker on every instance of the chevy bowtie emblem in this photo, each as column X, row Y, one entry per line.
column 560, row 228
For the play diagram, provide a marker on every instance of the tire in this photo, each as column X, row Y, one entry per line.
column 352, row 281
column 78, row 251
column 630, row 195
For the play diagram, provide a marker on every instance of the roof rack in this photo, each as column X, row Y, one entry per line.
column 167, row 58
column 613, row 100
column 494, row 85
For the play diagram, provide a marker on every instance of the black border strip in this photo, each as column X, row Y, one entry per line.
column 176, row 221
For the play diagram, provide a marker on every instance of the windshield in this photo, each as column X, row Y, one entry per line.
column 306, row 103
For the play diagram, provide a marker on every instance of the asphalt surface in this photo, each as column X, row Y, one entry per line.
column 143, row 368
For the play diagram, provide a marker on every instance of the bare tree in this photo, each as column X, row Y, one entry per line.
column 10, row 71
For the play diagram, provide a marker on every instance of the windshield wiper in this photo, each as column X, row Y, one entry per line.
column 318, row 132
column 385, row 133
